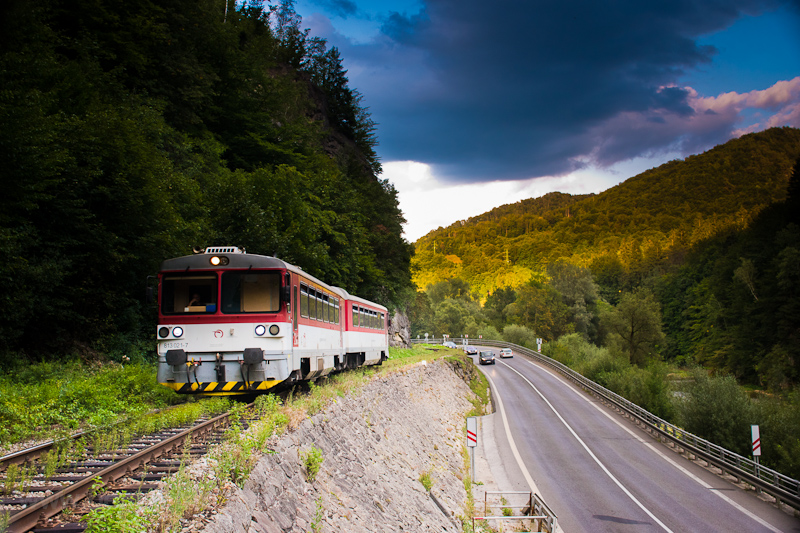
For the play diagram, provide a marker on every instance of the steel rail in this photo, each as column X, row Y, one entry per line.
column 26, row 519
column 781, row 487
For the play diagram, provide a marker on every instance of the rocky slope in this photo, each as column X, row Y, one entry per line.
column 376, row 445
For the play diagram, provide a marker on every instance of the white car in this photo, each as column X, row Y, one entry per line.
column 506, row 352
column 449, row 344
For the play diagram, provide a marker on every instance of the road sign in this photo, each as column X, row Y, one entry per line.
column 472, row 431
column 756, row 439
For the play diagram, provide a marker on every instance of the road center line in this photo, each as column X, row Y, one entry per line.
column 514, row 450
column 591, row 454
column 661, row 453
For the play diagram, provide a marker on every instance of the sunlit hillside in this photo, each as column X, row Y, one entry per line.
column 650, row 220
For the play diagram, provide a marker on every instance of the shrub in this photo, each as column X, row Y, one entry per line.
column 312, row 459
column 427, row 480
column 519, row 335
column 717, row 409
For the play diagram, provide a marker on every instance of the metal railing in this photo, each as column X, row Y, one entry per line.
column 781, row 487
column 534, row 510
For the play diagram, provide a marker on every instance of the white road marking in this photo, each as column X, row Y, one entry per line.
column 660, row 452
column 514, row 450
column 591, row 454
column 513, row 445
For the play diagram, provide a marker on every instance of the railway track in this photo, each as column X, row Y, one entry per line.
column 42, row 494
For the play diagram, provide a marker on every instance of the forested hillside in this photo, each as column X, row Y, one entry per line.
column 706, row 249
column 635, row 226
column 131, row 131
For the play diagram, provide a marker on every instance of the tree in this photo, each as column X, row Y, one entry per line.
column 450, row 319
column 453, row 288
column 540, row 308
column 496, row 303
column 635, row 324
column 579, row 291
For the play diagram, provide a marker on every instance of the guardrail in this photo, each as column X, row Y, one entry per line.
column 781, row 487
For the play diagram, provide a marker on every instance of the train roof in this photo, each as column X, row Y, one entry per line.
column 238, row 258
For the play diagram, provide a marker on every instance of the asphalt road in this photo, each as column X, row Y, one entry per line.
column 597, row 471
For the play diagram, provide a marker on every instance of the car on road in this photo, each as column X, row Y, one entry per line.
column 450, row 344
column 486, row 358
column 470, row 350
column 506, row 352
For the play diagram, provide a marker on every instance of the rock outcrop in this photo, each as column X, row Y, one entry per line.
column 400, row 331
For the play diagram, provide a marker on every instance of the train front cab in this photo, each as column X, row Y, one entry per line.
column 224, row 328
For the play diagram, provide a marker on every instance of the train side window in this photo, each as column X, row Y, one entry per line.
column 335, row 310
column 303, row 301
column 325, row 308
column 383, row 321
column 320, row 307
column 312, row 303
column 355, row 316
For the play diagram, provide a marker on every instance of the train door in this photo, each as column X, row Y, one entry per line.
column 296, row 304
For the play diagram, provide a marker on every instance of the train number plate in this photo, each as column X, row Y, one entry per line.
column 175, row 345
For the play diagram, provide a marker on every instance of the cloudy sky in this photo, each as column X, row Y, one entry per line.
column 480, row 104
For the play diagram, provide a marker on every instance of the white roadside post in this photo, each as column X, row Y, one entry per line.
column 756, row 440
column 472, row 440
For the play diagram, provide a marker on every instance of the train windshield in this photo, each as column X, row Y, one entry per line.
column 251, row 292
column 189, row 293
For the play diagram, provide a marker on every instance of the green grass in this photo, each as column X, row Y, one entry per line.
column 48, row 400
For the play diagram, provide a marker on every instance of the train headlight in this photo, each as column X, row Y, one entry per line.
column 260, row 330
column 163, row 332
column 217, row 260
column 177, row 332
column 274, row 329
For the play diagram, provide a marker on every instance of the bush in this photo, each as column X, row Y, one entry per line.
column 519, row 335
column 717, row 409
column 646, row 387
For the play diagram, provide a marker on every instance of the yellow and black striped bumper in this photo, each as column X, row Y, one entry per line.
column 213, row 388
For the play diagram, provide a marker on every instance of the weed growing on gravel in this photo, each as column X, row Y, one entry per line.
column 184, row 497
column 124, row 515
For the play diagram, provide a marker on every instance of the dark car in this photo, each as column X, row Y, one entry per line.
column 470, row 350
column 486, row 358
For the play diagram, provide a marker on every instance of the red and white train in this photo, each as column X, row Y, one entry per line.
column 237, row 323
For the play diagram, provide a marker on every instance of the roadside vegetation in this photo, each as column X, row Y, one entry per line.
column 714, row 407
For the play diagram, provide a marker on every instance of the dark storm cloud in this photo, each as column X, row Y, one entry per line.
column 341, row 8
column 506, row 90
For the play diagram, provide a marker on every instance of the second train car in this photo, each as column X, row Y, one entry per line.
column 237, row 323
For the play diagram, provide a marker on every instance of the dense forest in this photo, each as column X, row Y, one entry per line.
column 132, row 131
column 710, row 244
